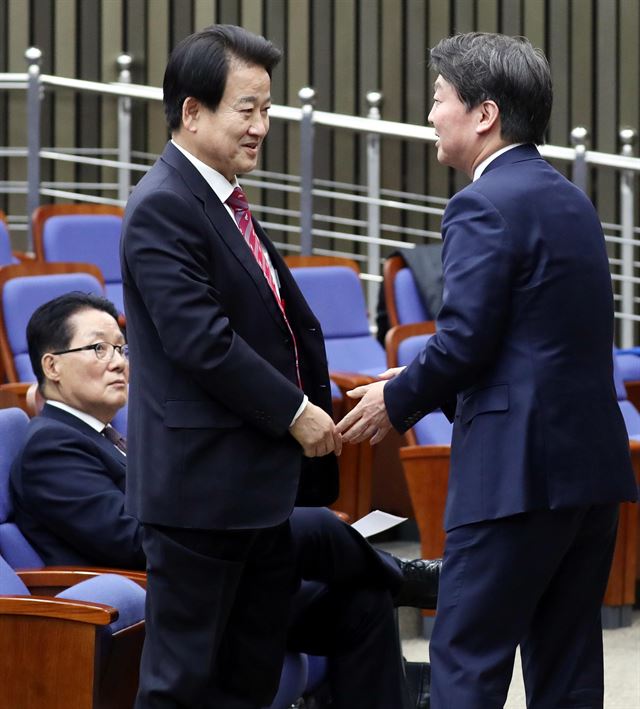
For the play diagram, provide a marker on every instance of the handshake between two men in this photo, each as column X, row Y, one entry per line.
column 319, row 435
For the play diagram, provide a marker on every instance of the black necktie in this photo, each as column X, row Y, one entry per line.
column 118, row 441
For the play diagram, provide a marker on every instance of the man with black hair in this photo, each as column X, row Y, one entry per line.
column 229, row 424
column 522, row 364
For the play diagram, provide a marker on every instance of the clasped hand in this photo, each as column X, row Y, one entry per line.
column 369, row 418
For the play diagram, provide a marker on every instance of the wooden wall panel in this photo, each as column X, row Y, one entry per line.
column 606, row 114
column 111, row 43
column 347, row 92
column 343, row 48
column 17, row 41
column 158, row 49
column 417, row 101
column 393, row 90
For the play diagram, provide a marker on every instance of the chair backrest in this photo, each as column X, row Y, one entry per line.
column 6, row 254
column 629, row 412
column 14, row 548
column 335, row 295
column 434, row 428
column 46, row 211
column 402, row 298
column 10, row 583
column 23, row 288
column 90, row 238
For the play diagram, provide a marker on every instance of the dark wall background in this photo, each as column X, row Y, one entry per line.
column 343, row 48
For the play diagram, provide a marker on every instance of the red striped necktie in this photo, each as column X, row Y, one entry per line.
column 237, row 200
column 238, row 203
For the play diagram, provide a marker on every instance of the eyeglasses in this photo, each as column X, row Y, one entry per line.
column 104, row 350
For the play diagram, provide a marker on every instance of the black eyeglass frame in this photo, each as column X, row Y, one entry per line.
column 123, row 350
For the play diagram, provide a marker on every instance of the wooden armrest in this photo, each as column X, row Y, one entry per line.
column 24, row 255
column 65, row 576
column 633, row 392
column 60, row 608
column 413, row 452
column 14, row 394
column 397, row 334
column 349, row 380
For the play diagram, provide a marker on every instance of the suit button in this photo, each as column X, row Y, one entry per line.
column 287, row 340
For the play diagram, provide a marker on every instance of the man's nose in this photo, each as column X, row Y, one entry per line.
column 260, row 126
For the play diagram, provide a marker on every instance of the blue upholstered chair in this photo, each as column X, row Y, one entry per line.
column 24, row 287
column 90, row 238
column 334, row 293
column 82, row 232
column 402, row 299
column 332, row 287
column 6, row 254
column 68, row 637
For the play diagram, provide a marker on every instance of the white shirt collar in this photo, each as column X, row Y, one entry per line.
column 87, row 418
column 485, row 163
column 218, row 182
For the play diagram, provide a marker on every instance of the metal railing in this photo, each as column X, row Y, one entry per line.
column 314, row 228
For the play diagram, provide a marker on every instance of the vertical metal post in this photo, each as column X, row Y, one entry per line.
column 627, row 138
column 124, row 62
column 307, row 96
column 579, row 137
column 33, row 56
column 374, row 100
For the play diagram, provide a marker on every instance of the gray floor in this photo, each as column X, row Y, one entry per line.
column 621, row 650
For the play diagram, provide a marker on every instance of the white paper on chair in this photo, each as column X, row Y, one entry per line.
column 376, row 522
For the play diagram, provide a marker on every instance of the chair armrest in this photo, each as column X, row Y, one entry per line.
column 417, row 452
column 57, row 578
column 633, row 392
column 24, row 255
column 396, row 334
column 62, row 609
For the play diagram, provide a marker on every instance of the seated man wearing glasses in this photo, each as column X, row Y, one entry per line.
column 68, row 487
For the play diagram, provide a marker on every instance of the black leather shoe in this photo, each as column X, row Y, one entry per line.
column 418, row 678
column 421, row 579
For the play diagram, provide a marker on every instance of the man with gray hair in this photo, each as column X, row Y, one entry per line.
column 521, row 362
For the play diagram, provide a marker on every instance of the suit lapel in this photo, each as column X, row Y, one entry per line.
column 52, row 412
column 222, row 222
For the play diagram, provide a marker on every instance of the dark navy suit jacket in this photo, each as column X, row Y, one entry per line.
column 67, row 486
column 523, row 349
column 213, row 385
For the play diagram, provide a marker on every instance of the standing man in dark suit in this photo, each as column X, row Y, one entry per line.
column 539, row 458
column 229, row 420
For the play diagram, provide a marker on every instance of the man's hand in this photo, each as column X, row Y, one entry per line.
column 369, row 419
column 316, row 433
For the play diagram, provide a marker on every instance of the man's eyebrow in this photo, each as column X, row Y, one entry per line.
column 251, row 99
column 102, row 334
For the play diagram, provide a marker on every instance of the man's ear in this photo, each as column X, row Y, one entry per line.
column 49, row 363
column 489, row 117
column 190, row 113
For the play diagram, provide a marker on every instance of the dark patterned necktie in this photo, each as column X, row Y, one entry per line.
column 120, row 442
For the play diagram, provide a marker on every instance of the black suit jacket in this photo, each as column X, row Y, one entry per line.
column 67, row 485
column 213, row 381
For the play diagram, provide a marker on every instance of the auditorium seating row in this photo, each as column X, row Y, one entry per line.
column 333, row 288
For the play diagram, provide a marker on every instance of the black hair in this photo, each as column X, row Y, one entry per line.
column 508, row 70
column 199, row 65
column 48, row 329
